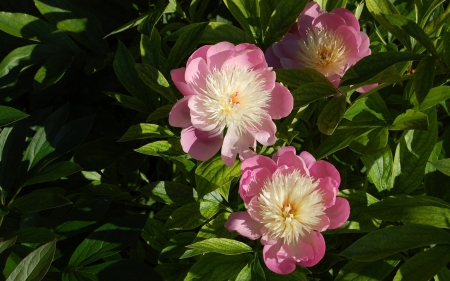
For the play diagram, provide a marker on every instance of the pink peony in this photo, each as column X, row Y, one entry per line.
column 290, row 200
column 228, row 90
column 328, row 42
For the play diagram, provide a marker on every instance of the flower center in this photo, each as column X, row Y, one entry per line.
column 234, row 97
column 290, row 205
column 323, row 50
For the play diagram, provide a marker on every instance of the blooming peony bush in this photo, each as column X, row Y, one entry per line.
column 290, row 200
column 230, row 99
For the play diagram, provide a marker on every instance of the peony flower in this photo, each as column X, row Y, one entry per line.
column 328, row 42
column 290, row 200
column 230, row 99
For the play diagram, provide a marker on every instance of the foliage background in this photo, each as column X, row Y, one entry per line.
column 95, row 186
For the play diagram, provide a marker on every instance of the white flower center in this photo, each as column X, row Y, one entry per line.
column 234, row 97
column 290, row 206
column 323, row 50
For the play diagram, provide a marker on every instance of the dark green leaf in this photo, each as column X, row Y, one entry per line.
column 159, row 113
column 34, row 266
column 155, row 80
column 388, row 241
column 176, row 246
column 371, row 65
column 222, row 246
column 34, row 235
column 368, row 271
column 108, row 239
column 52, row 71
column 32, row 28
column 423, row 78
column 54, row 172
column 9, row 115
column 435, row 96
column 170, row 192
column 436, row 23
column 408, row 209
column 212, row 174
column 217, row 32
column 38, row 201
column 246, row 12
column 130, row 24
column 369, row 108
column 371, row 141
column 192, row 215
column 173, row 271
column 170, row 147
column 151, row 49
column 311, row 92
column 379, row 166
column 7, row 244
column 155, row 235
column 129, row 102
column 296, row 77
column 442, row 165
column 144, row 131
column 410, row 120
column 185, row 45
column 212, row 267
column 332, row 114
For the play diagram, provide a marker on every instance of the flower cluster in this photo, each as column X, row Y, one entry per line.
column 290, row 199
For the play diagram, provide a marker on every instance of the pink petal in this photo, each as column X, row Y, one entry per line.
column 323, row 224
column 199, row 120
column 287, row 47
column 251, row 58
column 366, row 88
column 244, row 225
column 328, row 21
column 281, row 151
column 200, row 145
column 290, row 63
column 179, row 115
column 352, row 41
column 299, row 251
column 315, row 239
column 258, row 161
column 268, row 76
column 364, row 49
column 292, row 160
column 272, row 59
column 274, row 261
column 307, row 158
column 196, row 72
column 234, row 144
column 349, row 18
column 252, row 182
column 281, row 102
column 218, row 54
column 339, row 213
column 179, row 81
column 307, row 16
column 264, row 133
column 329, row 188
column 199, row 53
column 246, row 153
column 254, row 209
column 322, row 169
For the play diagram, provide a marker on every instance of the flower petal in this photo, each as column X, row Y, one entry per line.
column 282, row 150
column 349, row 18
column 315, row 239
column 199, row 144
column 252, row 182
column 264, row 133
column 272, row 59
column 179, row 81
column 328, row 21
column 179, row 115
column 281, row 102
column 251, row 58
column 196, row 71
column 258, row 161
column 311, row 11
column 299, row 250
column 274, row 260
column 244, row 225
column 234, row 144
column 292, row 160
column 307, row 158
column 199, row 53
column 322, row 169
column 218, row 54
column 339, row 213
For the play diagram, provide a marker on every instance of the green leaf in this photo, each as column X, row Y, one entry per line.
column 54, row 172
column 116, row 270
column 284, row 15
column 12, row 142
column 173, row 271
column 145, row 131
column 436, row 23
column 222, row 246
column 296, row 77
column 423, row 78
column 108, row 240
column 414, row 30
column 159, row 113
column 18, row 59
column 332, row 114
column 170, row 147
column 132, row 23
column 176, row 246
column 369, row 108
column 446, row 44
column 185, row 45
column 34, row 266
column 155, row 80
column 388, row 241
column 246, row 12
column 424, row 265
column 52, row 71
column 170, row 192
column 32, row 28
column 192, row 215
column 81, row 25
column 151, row 49
column 6, row 244
column 153, row 18
column 411, row 156
column 410, row 120
column 312, row 92
column 155, row 235
column 371, row 141
column 129, row 102
column 380, row 8
column 38, row 201
column 9, row 115
column 368, row 271
column 408, row 209
column 212, row 267
column 34, row 235
column 217, row 32
column 443, row 165
column 129, row 77
column 296, row 275
column 435, row 96
column 212, row 174
column 373, row 64
column 379, row 166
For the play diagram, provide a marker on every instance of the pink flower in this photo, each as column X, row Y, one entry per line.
column 290, row 199
column 228, row 90
column 328, row 42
